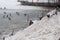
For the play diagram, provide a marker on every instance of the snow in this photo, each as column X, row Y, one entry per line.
column 53, row 12
column 45, row 29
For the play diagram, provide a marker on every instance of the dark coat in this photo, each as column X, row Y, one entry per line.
column 30, row 23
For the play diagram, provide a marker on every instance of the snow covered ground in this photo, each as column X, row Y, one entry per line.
column 46, row 29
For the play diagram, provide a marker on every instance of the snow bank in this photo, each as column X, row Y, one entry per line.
column 52, row 12
column 46, row 29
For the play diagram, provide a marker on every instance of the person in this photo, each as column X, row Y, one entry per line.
column 30, row 23
column 56, row 10
column 25, row 14
column 48, row 16
column 17, row 13
column 9, row 18
column 40, row 18
column 4, row 7
column 3, row 38
column 10, row 14
column 4, row 12
column 12, row 33
column 7, row 15
column 59, row 38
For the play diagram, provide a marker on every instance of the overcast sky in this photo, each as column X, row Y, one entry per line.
column 8, row 3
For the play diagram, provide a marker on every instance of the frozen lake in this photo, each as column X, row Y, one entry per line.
column 17, row 21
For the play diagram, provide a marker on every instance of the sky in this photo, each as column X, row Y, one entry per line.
column 8, row 3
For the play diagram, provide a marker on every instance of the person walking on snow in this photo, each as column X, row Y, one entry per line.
column 30, row 23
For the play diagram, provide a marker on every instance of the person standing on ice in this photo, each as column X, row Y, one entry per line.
column 3, row 38
column 9, row 18
column 59, row 39
column 7, row 15
column 30, row 23
column 10, row 14
column 56, row 10
column 48, row 16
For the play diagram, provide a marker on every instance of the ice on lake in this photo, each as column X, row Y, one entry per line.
column 14, row 19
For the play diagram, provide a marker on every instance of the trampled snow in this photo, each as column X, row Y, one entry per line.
column 45, row 29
